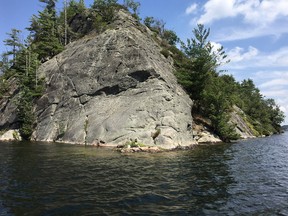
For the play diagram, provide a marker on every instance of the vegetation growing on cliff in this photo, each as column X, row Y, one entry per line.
column 215, row 93
column 197, row 65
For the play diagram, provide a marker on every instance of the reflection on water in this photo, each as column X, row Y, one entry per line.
column 249, row 177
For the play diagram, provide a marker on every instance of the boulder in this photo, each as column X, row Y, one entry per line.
column 10, row 135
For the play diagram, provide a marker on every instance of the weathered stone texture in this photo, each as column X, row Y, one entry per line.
column 113, row 87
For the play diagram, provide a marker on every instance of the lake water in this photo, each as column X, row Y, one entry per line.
column 245, row 178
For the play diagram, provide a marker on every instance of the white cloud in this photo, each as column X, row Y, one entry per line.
column 246, row 19
column 254, row 12
column 254, row 58
column 264, row 12
column 272, row 74
column 191, row 9
column 280, row 97
column 274, row 84
column 240, row 32
column 216, row 46
column 217, row 9
column 277, row 83
column 238, row 54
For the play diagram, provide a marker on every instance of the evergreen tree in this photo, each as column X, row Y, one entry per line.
column 30, row 88
column 106, row 8
column 44, row 32
column 4, row 64
column 71, row 9
column 51, row 7
column 14, row 42
column 202, row 62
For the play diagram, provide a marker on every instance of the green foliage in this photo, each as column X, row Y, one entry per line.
column 215, row 104
column 25, row 113
column 133, row 6
column 15, row 43
column 106, row 8
column 165, row 52
column 43, row 30
column 24, row 70
column 156, row 134
column 197, row 66
column 171, row 37
column 265, row 114
column 155, row 25
column 202, row 62
column 149, row 21
column 50, row 6
column 214, row 95
column 4, row 86
column 71, row 10
column 16, row 135
column 99, row 24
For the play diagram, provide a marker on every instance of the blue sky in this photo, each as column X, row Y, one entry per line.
column 254, row 33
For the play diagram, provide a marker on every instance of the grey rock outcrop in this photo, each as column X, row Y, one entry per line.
column 111, row 88
column 10, row 135
column 8, row 108
column 241, row 126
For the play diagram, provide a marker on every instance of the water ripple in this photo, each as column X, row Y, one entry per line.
column 249, row 177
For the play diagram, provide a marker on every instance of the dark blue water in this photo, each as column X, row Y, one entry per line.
column 245, row 178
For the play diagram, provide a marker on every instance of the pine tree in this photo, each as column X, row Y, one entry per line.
column 50, row 6
column 202, row 62
column 70, row 10
column 15, row 43
column 106, row 8
column 43, row 29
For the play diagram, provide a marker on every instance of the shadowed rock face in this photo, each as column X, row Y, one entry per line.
column 111, row 88
column 8, row 109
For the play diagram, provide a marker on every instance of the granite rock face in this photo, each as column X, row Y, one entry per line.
column 8, row 108
column 241, row 126
column 112, row 88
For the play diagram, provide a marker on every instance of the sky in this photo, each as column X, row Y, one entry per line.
column 254, row 33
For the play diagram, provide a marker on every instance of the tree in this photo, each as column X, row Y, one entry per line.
column 71, row 10
column 44, row 32
column 198, row 74
column 14, row 42
column 134, row 6
column 155, row 25
column 171, row 37
column 4, row 64
column 30, row 87
column 106, row 8
column 202, row 62
column 50, row 6
column 216, row 103
column 149, row 21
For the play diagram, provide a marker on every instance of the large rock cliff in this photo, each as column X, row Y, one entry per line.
column 113, row 87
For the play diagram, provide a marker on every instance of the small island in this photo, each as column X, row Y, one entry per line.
column 100, row 76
